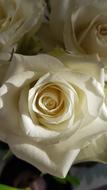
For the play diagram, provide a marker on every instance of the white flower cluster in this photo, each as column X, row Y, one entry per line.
column 53, row 81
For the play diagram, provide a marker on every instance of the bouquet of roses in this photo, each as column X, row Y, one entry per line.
column 53, row 89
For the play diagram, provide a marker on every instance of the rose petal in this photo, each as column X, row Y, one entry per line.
column 49, row 159
column 54, row 159
column 95, row 150
column 9, row 94
column 91, row 66
column 85, row 135
column 40, row 64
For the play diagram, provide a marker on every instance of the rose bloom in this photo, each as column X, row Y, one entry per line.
column 80, row 25
column 17, row 18
column 50, row 108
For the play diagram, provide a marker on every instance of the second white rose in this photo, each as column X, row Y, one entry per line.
column 16, row 19
column 80, row 25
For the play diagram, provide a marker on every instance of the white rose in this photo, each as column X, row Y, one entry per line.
column 17, row 18
column 50, row 109
column 81, row 25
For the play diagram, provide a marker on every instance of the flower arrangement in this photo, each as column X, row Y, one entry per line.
column 53, row 82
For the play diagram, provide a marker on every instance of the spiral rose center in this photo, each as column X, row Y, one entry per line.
column 49, row 99
column 49, row 102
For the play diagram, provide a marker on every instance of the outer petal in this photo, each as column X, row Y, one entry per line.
column 52, row 159
column 86, row 65
column 9, row 95
column 40, row 64
column 86, row 134
column 96, row 150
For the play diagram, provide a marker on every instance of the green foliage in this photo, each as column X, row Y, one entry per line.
column 68, row 179
column 5, row 187
column 7, row 155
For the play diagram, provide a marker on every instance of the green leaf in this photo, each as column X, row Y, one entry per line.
column 7, row 155
column 68, row 179
column 57, row 52
column 60, row 180
column 29, row 45
column 73, row 180
column 5, row 187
